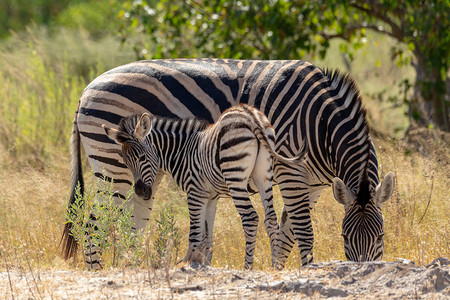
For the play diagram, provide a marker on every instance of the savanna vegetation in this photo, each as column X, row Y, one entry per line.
column 50, row 50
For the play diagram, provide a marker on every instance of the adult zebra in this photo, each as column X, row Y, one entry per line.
column 300, row 100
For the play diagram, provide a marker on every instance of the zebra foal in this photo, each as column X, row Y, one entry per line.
column 207, row 161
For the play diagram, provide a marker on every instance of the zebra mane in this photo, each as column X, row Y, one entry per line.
column 364, row 193
column 339, row 80
column 128, row 124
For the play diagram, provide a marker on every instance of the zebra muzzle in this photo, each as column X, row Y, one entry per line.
column 142, row 190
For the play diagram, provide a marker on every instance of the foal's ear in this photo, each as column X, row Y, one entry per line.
column 143, row 127
column 114, row 134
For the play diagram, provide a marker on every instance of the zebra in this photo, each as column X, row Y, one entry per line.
column 207, row 161
column 301, row 101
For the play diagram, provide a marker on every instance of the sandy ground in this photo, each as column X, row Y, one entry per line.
column 375, row 280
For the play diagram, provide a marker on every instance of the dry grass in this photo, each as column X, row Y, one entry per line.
column 33, row 195
column 33, row 203
column 416, row 218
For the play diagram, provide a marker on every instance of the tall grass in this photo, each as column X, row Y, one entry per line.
column 37, row 105
column 43, row 77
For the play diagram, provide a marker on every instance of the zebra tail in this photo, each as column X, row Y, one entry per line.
column 69, row 244
column 264, row 140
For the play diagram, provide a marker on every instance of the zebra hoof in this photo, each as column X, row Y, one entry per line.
column 94, row 266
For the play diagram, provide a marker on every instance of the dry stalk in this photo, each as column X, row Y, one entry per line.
column 9, row 277
column 168, row 258
column 429, row 199
column 32, row 275
column 147, row 259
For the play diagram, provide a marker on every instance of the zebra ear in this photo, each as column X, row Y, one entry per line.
column 143, row 127
column 113, row 134
column 341, row 192
column 384, row 190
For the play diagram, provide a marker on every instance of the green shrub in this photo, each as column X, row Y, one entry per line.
column 119, row 243
column 114, row 224
column 167, row 239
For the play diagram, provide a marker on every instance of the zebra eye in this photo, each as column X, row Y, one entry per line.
column 345, row 238
column 380, row 238
column 142, row 158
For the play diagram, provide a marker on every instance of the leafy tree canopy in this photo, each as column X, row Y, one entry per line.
column 282, row 29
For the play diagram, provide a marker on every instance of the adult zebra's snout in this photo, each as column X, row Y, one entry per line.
column 142, row 190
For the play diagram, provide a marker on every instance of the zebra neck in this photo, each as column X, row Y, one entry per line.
column 358, row 165
column 176, row 145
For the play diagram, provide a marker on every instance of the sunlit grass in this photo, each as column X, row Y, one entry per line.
column 43, row 76
column 40, row 90
column 34, row 203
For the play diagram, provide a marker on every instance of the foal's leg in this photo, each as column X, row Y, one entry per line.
column 210, row 216
column 263, row 178
column 236, row 173
column 197, row 200
column 249, row 219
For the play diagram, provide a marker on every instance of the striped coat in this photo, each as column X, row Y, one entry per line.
column 300, row 100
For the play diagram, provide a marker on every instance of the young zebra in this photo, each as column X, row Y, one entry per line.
column 207, row 161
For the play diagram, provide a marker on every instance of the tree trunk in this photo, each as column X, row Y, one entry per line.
column 430, row 102
column 440, row 114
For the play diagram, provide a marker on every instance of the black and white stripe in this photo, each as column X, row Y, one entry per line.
column 207, row 161
column 302, row 102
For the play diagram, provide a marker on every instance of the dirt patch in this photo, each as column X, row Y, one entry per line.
column 388, row 280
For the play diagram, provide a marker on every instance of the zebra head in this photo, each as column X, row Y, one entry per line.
column 362, row 227
column 138, row 153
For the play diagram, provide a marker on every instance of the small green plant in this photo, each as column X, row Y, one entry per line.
column 167, row 239
column 112, row 221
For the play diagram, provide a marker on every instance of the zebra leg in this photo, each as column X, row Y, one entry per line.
column 249, row 219
column 210, row 216
column 92, row 248
column 92, row 252
column 197, row 204
column 285, row 241
column 295, row 222
column 263, row 177
column 298, row 226
column 141, row 215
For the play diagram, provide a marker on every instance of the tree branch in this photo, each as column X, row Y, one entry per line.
column 352, row 28
column 376, row 10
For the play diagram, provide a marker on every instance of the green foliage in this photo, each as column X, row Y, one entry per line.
column 119, row 243
column 167, row 239
column 284, row 29
column 17, row 14
column 43, row 78
column 99, row 17
column 233, row 29
column 37, row 102
column 113, row 222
